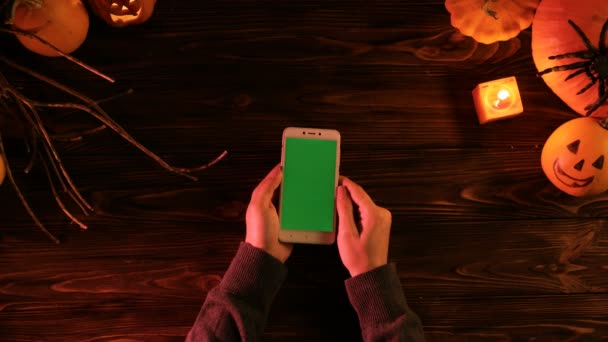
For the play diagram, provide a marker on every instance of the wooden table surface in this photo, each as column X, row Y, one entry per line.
column 486, row 247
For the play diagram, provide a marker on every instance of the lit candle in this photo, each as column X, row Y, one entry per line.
column 496, row 100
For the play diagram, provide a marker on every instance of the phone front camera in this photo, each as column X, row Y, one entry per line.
column 303, row 133
column 319, row 133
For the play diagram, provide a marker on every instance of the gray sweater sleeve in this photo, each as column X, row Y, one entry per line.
column 237, row 309
column 378, row 299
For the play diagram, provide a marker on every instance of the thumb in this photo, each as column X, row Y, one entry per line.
column 346, row 225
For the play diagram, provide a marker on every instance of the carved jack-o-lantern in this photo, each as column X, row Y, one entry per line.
column 120, row 13
column 573, row 157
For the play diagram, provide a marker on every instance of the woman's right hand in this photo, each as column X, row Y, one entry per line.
column 363, row 249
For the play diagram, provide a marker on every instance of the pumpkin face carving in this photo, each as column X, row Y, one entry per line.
column 120, row 13
column 573, row 157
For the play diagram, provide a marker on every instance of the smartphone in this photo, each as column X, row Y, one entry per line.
column 311, row 160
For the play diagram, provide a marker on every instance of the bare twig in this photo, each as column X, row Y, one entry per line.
column 114, row 126
column 96, row 111
column 28, row 109
column 31, row 115
column 36, row 130
column 20, row 194
column 64, row 187
column 34, row 153
column 58, row 199
column 49, row 143
column 116, row 96
column 16, row 30
column 77, row 136
column 178, row 170
column 104, row 100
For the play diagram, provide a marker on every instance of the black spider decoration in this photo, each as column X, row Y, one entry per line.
column 595, row 65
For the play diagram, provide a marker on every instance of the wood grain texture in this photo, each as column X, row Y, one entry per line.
column 486, row 248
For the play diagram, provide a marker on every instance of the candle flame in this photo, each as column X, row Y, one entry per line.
column 502, row 99
column 503, row 94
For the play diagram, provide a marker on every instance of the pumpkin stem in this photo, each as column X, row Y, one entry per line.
column 489, row 11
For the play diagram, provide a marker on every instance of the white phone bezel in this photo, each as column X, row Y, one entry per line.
column 310, row 237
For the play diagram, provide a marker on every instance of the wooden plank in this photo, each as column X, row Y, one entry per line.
column 437, row 113
column 324, row 316
column 412, row 91
column 434, row 258
column 487, row 249
column 449, row 184
column 311, row 314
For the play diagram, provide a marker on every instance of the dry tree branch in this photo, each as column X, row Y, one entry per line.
column 57, row 198
column 96, row 111
column 35, row 130
column 110, row 123
column 55, row 155
column 9, row 93
column 14, row 30
column 77, row 136
column 30, row 112
column 64, row 187
column 29, row 210
column 34, row 153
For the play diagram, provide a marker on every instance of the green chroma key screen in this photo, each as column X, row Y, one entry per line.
column 309, row 178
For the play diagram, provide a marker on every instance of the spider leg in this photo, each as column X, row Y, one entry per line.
column 584, row 54
column 603, row 37
column 583, row 37
column 592, row 77
column 576, row 73
column 592, row 107
column 593, row 81
column 589, row 71
column 564, row 67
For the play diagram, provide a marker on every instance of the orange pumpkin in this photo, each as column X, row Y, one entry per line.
column 573, row 157
column 576, row 70
column 2, row 169
column 63, row 23
column 490, row 21
column 120, row 13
